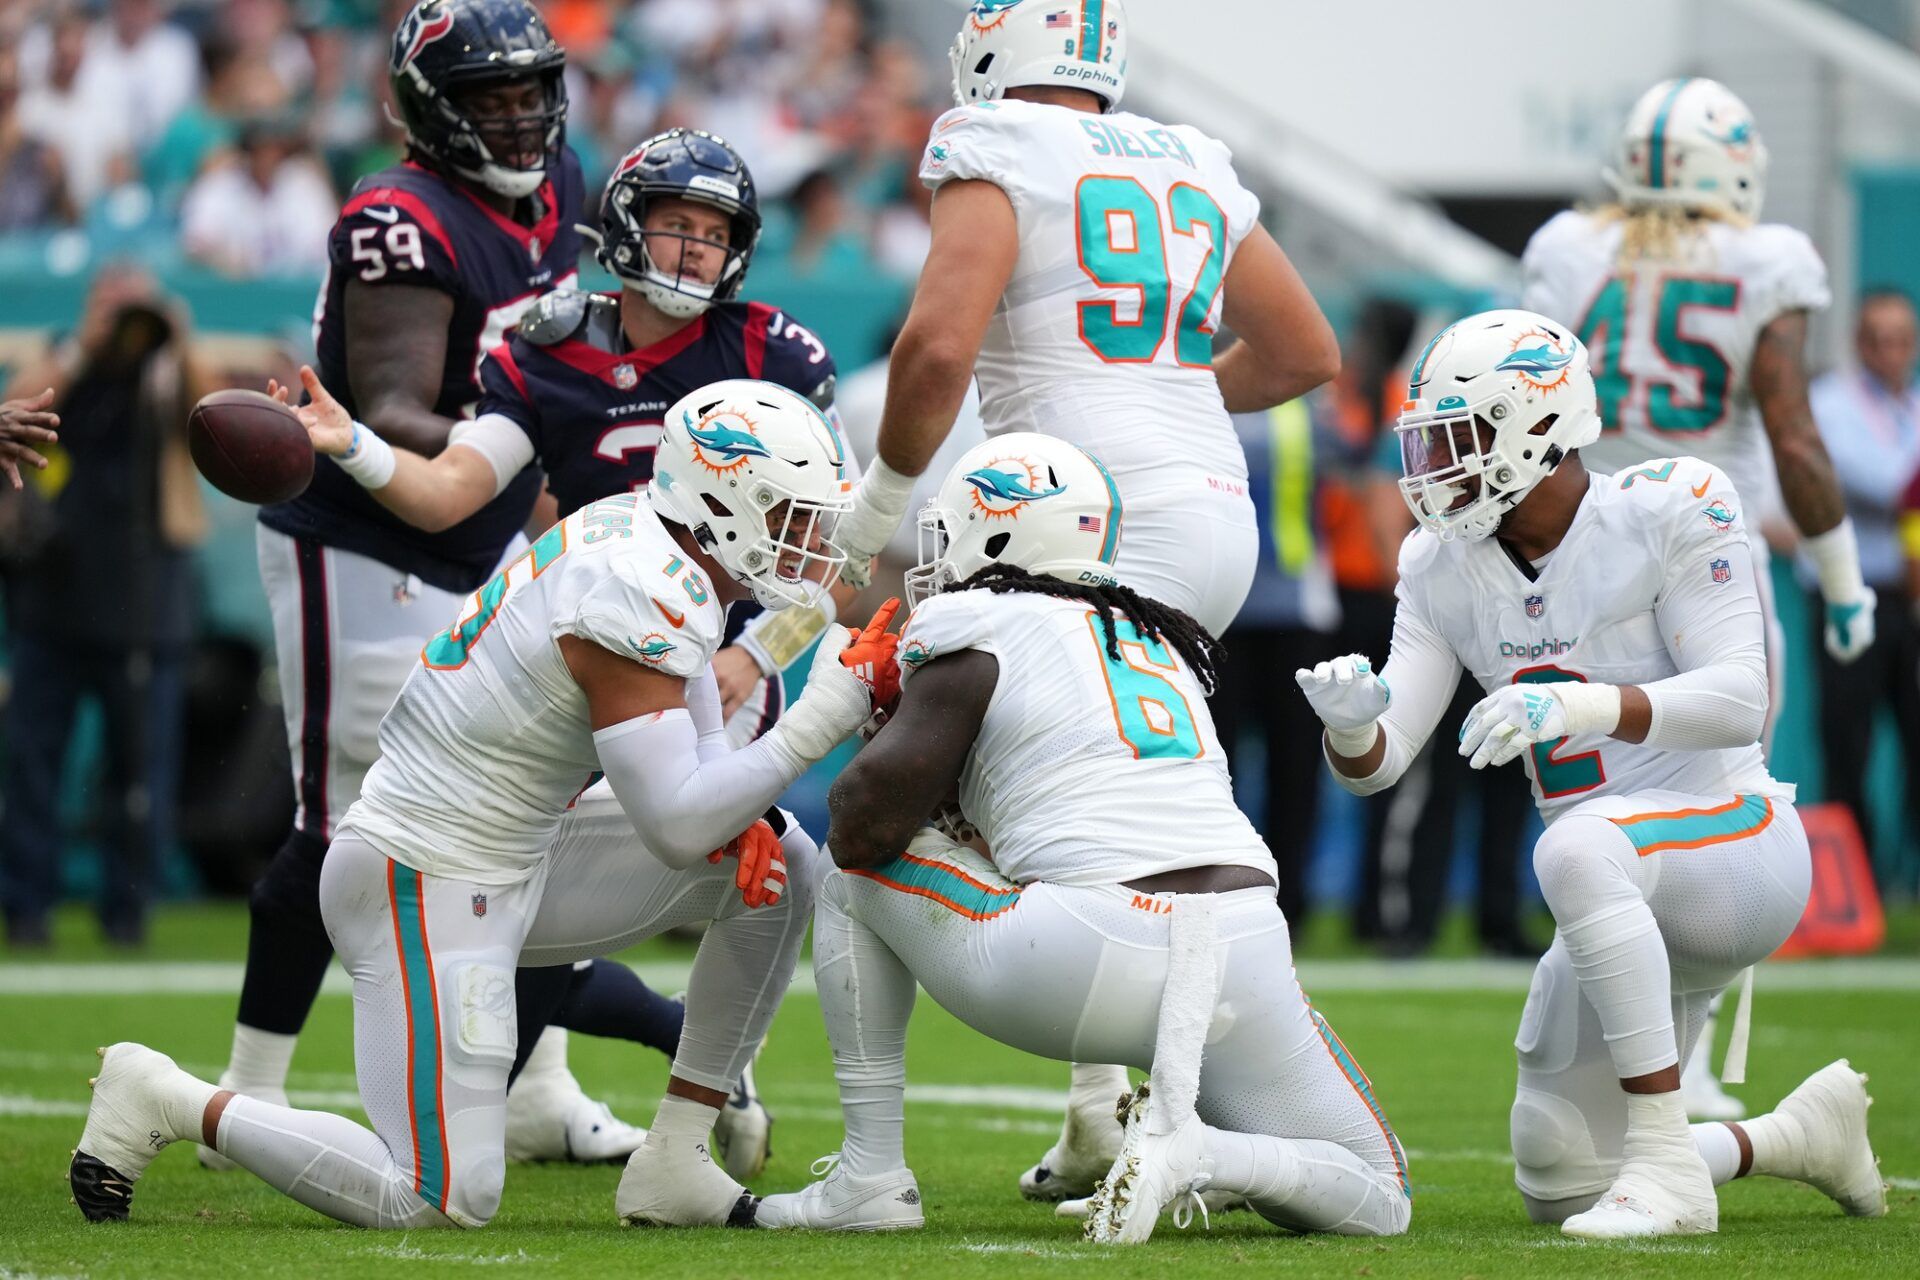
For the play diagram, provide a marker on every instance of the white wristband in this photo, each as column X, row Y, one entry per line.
column 369, row 460
column 1351, row 744
column 1836, row 555
column 1590, row 708
column 778, row 636
column 886, row 490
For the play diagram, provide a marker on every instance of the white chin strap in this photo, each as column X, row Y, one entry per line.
column 515, row 184
column 681, row 301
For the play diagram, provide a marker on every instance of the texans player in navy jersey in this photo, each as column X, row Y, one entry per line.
column 430, row 263
column 581, row 386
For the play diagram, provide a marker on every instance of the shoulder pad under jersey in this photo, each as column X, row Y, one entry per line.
column 561, row 314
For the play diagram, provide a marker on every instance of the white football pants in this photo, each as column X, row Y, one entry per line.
column 1076, row 973
column 432, row 961
column 1661, row 900
column 1191, row 541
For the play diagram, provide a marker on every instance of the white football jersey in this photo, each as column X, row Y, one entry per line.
column 489, row 741
column 1602, row 606
column 1104, row 335
column 1672, row 343
column 1086, row 770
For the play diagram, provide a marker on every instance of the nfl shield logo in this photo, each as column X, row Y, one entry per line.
column 533, row 247
column 624, row 377
column 479, row 904
column 1722, row 571
column 1536, row 605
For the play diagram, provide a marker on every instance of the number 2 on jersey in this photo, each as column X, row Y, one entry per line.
column 1118, row 232
column 1560, row 776
column 1149, row 711
column 1604, row 330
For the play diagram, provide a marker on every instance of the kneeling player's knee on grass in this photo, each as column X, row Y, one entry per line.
column 1553, row 1151
column 1578, row 864
column 477, row 1186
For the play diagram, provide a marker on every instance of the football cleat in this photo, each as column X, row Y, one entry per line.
column 1153, row 1170
column 126, row 1128
column 680, row 1185
column 1213, row 1200
column 1830, row 1107
column 1089, row 1142
column 1663, row 1189
column 742, row 1136
column 842, row 1202
column 552, row 1118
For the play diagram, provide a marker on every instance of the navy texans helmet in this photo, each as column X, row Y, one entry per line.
column 684, row 164
column 445, row 51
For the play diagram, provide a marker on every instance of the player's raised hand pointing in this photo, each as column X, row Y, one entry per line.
column 328, row 424
column 1345, row 692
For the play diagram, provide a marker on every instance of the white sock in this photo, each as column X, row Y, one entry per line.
column 1656, row 1120
column 682, row 1120
column 1720, row 1149
column 1097, row 1086
column 1620, row 961
column 866, row 997
column 326, row 1162
column 1307, row 1184
column 259, row 1063
column 548, row 1061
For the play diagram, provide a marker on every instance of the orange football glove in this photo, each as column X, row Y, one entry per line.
column 761, row 876
column 870, row 655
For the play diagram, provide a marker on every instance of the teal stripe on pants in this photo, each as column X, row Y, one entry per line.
column 423, row 1039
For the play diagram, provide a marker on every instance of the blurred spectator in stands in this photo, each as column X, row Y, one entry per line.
column 238, row 88
column 263, row 32
column 1869, row 417
column 132, row 63
column 105, row 608
column 75, row 108
column 1287, row 622
column 33, row 192
column 267, row 211
column 826, row 242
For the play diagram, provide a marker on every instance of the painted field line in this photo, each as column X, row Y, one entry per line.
column 221, row 977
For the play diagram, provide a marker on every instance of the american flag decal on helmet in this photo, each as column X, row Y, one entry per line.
column 1089, row 524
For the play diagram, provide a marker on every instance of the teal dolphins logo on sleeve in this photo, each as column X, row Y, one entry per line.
column 653, row 649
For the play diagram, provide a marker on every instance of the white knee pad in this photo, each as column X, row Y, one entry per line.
column 1582, row 862
column 1553, row 1153
column 485, row 1028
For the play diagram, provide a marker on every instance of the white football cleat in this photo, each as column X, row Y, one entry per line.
column 552, row 1118
column 842, row 1202
column 1662, row 1189
column 679, row 1185
column 1213, row 1200
column 1701, row 1093
column 1152, row 1171
column 212, row 1160
column 1090, row 1138
column 1835, row 1156
column 127, row 1126
column 743, row 1135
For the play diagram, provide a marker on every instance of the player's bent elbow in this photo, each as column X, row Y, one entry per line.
column 928, row 353
column 861, row 829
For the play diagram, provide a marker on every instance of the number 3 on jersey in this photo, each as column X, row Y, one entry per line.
column 1118, row 233
column 1150, row 712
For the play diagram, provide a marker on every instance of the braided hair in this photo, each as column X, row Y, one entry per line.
column 1150, row 617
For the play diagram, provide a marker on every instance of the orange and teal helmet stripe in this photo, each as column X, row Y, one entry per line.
column 1657, row 145
column 1110, row 545
column 1093, row 15
column 425, row 1105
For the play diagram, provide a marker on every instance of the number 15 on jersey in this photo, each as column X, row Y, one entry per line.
column 1123, row 235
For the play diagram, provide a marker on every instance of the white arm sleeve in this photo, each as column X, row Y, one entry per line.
column 685, row 807
column 1422, row 673
column 499, row 440
column 1717, row 637
column 709, row 719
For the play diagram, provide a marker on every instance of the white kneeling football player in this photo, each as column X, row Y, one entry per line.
column 1614, row 621
column 1127, row 912
column 481, row 840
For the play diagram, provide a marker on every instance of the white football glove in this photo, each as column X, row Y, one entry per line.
column 1348, row 697
column 1509, row 720
column 1850, row 625
column 879, row 504
column 835, row 702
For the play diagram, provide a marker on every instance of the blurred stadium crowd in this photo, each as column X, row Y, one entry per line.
column 221, row 137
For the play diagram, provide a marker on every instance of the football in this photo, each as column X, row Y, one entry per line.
column 250, row 446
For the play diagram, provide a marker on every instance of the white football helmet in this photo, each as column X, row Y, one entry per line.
column 1013, row 44
column 759, row 476
column 1495, row 402
column 1692, row 143
column 1022, row 499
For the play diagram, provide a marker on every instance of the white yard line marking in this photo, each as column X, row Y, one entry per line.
column 221, row 977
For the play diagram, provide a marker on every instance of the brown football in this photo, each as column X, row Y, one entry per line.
column 250, row 446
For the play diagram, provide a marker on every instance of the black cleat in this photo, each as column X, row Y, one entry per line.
column 102, row 1192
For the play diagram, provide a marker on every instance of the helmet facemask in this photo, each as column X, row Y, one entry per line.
column 1458, row 479
column 932, row 572
column 509, row 155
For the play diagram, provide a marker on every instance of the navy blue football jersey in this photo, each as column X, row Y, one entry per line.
column 408, row 226
column 594, row 409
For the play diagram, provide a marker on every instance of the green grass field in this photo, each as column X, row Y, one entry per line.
column 1435, row 1038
